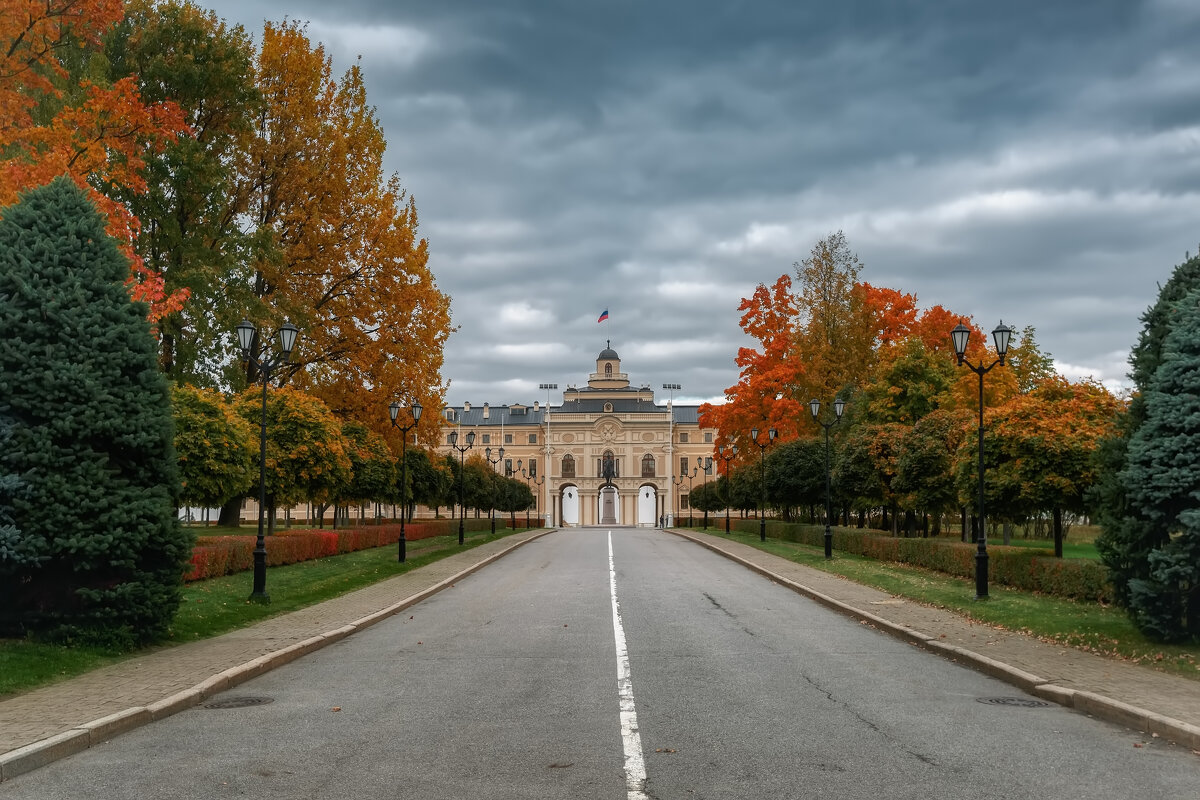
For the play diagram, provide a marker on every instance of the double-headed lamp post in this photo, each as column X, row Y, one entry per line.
column 286, row 340
column 678, row 483
column 462, row 509
column 705, row 465
column 394, row 413
column 525, row 475
column 487, row 454
column 1001, row 335
column 839, row 405
column 762, row 479
column 728, row 484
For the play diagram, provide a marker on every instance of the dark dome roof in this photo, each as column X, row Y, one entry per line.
column 609, row 353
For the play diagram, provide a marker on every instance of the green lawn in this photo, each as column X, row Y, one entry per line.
column 1088, row 626
column 215, row 606
column 1070, row 549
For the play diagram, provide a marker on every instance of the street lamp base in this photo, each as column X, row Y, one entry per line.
column 981, row 575
column 262, row 598
column 828, row 543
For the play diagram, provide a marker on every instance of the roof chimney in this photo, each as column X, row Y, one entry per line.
column 466, row 406
column 485, row 410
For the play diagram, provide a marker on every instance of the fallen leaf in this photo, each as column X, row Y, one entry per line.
column 1138, row 744
column 336, row 708
column 663, row 750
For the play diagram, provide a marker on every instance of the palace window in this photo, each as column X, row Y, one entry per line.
column 683, row 465
column 532, row 468
column 533, row 438
column 648, row 466
column 508, row 438
column 608, row 370
column 487, row 438
column 608, row 408
column 708, row 437
column 683, row 437
column 568, row 466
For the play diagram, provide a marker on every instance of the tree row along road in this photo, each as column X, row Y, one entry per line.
column 507, row 686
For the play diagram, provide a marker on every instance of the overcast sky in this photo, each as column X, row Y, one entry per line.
column 1036, row 162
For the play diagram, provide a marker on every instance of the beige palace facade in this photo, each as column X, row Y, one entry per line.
column 607, row 454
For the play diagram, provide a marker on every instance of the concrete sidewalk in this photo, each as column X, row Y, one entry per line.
column 1137, row 697
column 52, row 722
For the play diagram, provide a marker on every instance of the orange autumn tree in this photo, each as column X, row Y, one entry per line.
column 764, row 396
column 349, row 268
column 53, row 122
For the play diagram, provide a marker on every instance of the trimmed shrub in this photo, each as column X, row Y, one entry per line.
column 1018, row 567
column 214, row 556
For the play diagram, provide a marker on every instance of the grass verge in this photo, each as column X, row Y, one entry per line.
column 210, row 608
column 1105, row 630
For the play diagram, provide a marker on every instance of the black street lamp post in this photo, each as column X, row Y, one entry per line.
column 679, row 488
column 462, row 509
column 1001, row 335
column 286, row 341
column 707, row 467
column 537, row 508
column 839, row 405
column 762, row 479
column 487, row 454
column 689, row 475
column 394, row 413
column 528, row 482
column 728, row 484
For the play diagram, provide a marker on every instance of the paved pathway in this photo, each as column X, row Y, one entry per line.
column 48, row 723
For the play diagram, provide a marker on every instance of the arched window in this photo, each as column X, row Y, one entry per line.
column 568, row 466
column 608, row 370
column 608, row 408
column 648, row 466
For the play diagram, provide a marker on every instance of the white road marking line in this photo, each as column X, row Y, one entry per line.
column 635, row 762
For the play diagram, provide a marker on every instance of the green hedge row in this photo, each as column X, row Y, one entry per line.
column 214, row 556
column 1018, row 567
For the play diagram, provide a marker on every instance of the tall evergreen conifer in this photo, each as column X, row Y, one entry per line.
column 99, row 554
column 1162, row 480
column 1132, row 532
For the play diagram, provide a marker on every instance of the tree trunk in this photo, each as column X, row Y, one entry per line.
column 1058, row 532
column 1007, row 532
column 231, row 513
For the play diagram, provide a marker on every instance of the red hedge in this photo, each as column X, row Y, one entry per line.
column 1018, row 567
column 214, row 556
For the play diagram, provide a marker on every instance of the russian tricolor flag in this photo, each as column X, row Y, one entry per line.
column 603, row 316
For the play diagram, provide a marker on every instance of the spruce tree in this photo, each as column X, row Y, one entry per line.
column 1162, row 478
column 100, row 555
column 1130, row 536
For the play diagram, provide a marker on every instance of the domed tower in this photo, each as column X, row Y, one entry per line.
column 608, row 373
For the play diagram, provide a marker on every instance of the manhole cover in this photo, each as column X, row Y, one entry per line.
column 239, row 702
column 1016, row 702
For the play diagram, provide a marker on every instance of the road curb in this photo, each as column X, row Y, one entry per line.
column 1097, row 705
column 40, row 753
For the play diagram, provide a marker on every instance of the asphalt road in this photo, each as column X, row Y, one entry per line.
column 506, row 686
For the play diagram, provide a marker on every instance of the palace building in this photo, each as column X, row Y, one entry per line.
column 608, row 454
